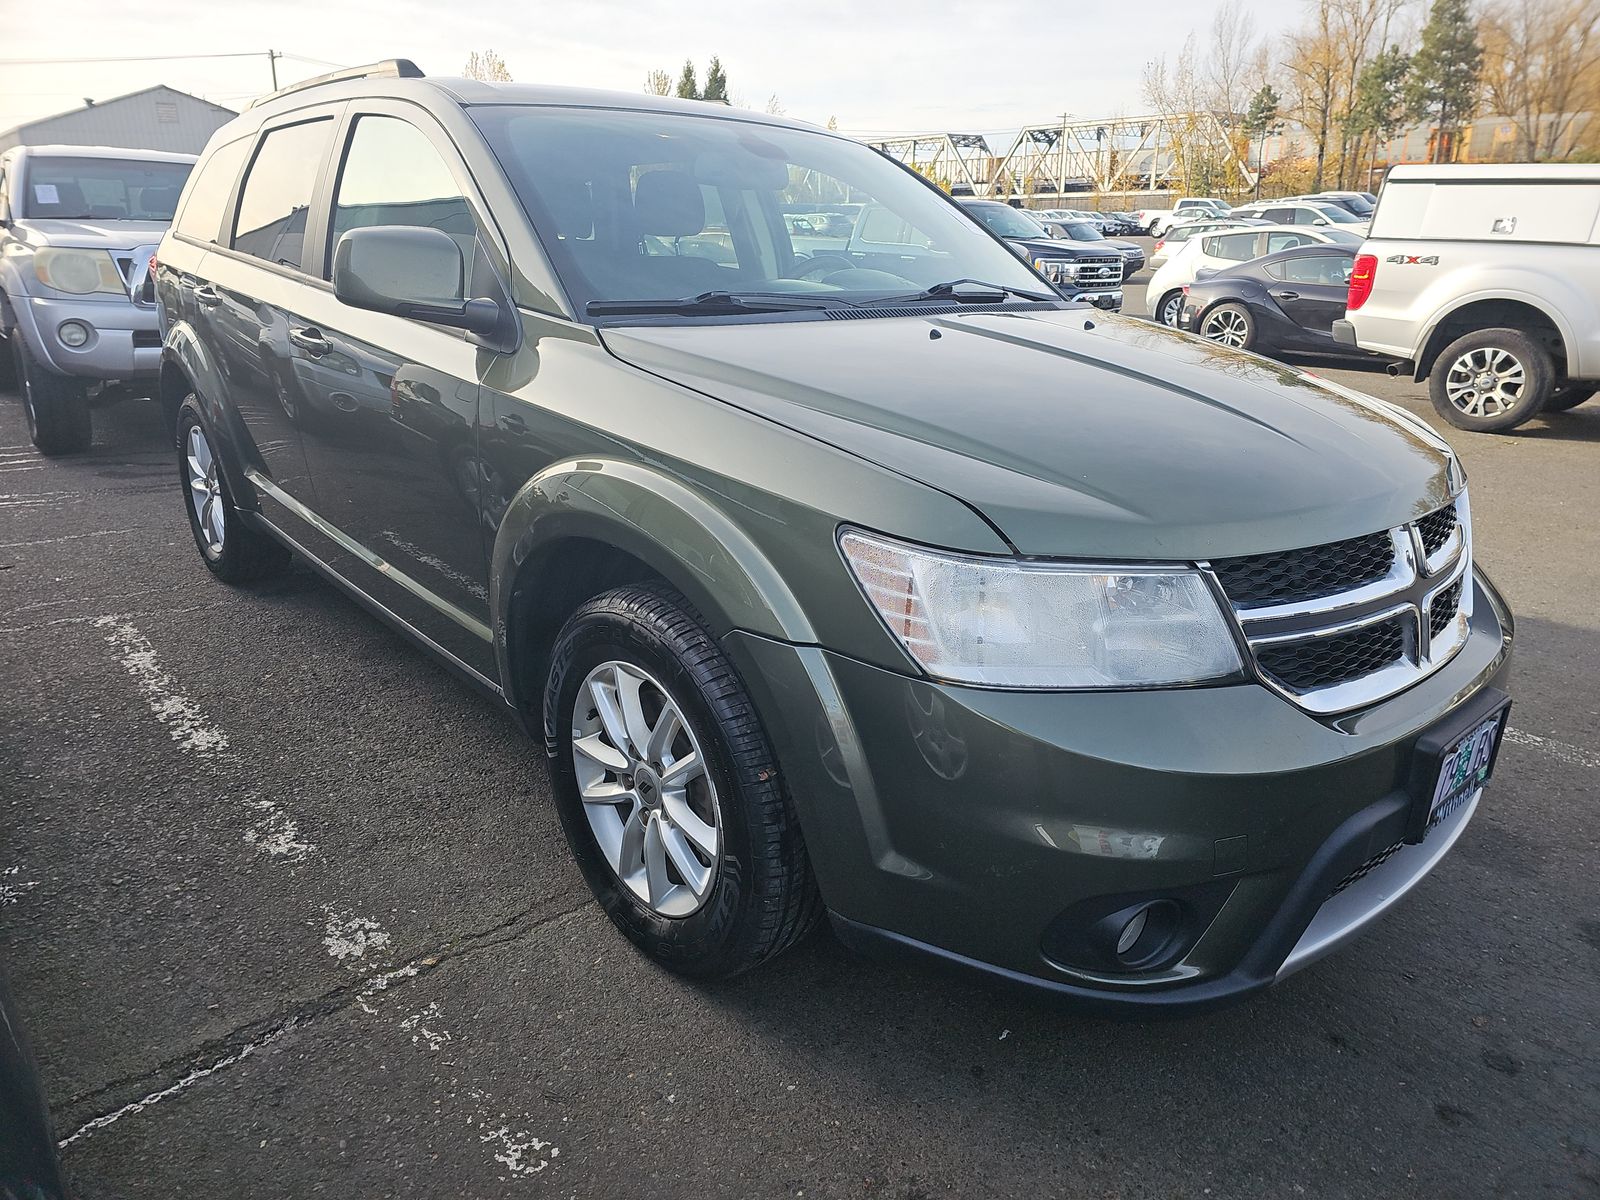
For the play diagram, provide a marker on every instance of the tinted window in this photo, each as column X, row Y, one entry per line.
column 393, row 176
column 1332, row 270
column 209, row 190
column 1279, row 216
column 102, row 189
column 1286, row 241
column 277, row 193
column 1235, row 247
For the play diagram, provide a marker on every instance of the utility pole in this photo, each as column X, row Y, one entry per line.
column 1061, row 181
column 272, row 61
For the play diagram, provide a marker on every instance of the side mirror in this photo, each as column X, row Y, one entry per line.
column 415, row 272
column 1320, row 221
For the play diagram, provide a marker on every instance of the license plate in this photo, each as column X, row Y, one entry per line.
column 1113, row 300
column 1461, row 761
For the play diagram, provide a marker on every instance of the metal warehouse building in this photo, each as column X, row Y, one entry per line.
column 157, row 118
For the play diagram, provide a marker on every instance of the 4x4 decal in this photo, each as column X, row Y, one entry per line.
column 1426, row 260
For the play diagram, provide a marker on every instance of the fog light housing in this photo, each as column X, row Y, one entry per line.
column 73, row 334
column 1133, row 934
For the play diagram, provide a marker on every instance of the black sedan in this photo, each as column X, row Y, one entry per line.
column 1283, row 301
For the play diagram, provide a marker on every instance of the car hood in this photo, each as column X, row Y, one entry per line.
column 91, row 235
column 1075, row 434
column 1053, row 248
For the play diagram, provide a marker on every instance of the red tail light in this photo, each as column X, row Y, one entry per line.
column 1362, row 275
column 1161, row 243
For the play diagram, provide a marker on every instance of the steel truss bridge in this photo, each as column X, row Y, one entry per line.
column 1123, row 155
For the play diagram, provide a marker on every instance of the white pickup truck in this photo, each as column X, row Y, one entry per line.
column 1156, row 221
column 1485, row 280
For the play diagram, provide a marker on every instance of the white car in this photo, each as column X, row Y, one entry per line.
column 1213, row 252
column 1157, row 221
column 1179, row 234
column 1303, row 212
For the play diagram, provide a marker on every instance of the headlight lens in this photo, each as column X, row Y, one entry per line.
column 78, row 272
column 1056, row 269
column 1012, row 624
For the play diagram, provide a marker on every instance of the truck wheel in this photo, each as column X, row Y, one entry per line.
column 668, row 790
column 1491, row 380
column 232, row 551
column 57, row 408
column 1569, row 396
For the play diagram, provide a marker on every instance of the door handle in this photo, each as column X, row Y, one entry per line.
column 207, row 295
column 310, row 340
column 512, row 423
column 1287, row 295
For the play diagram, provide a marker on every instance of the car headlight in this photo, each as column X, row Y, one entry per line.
column 78, row 272
column 1056, row 269
column 1009, row 623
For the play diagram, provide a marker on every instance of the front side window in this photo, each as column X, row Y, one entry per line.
column 643, row 205
column 276, row 199
column 1329, row 270
column 1334, row 213
column 1285, row 241
column 201, row 218
column 1233, row 247
column 392, row 175
column 101, row 189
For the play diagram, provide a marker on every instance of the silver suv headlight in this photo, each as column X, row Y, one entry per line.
column 78, row 272
column 1009, row 623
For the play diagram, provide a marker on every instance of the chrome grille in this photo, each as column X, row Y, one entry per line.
column 1342, row 625
column 1099, row 272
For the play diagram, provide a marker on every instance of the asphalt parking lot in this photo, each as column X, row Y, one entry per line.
column 289, row 913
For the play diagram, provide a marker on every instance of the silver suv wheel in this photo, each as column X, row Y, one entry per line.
column 649, row 801
column 1486, row 382
column 205, row 491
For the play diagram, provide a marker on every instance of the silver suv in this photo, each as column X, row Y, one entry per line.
column 78, row 228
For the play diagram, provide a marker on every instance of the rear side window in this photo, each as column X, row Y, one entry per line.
column 276, row 199
column 392, row 175
column 201, row 218
column 1234, row 247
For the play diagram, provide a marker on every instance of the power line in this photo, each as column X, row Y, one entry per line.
column 136, row 58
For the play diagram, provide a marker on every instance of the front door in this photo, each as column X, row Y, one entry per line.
column 1314, row 290
column 393, row 446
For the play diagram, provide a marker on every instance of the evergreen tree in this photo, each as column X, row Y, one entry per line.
column 1261, row 118
column 716, row 82
column 1443, row 82
column 688, row 86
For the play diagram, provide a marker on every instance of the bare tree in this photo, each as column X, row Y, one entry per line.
column 1541, row 69
column 1233, row 50
column 658, row 83
column 1311, row 64
column 488, row 66
column 774, row 108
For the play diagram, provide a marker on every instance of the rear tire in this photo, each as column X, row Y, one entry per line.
column 759, row 897
column 1569, row 396
column 1491, row 380
column 232, row 551
column 57, row 408
column 1229, row 325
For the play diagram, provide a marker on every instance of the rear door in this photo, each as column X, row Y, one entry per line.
column 394, row 446
column 250, row 289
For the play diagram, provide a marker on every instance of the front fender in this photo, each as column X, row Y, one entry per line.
column 188, row 366
column 676, row 531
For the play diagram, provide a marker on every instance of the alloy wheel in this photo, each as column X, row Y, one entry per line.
column 1485, row 382
column 1227, row 328
column 649, row 800
column 1172, row 309
column 205, row 491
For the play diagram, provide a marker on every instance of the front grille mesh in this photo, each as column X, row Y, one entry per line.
column 1436, row 529
column 1305, row 574
column 1366, row 868
column 1443, row 609
column 1325, row 662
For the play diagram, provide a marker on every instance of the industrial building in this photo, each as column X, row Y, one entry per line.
column 156, row 118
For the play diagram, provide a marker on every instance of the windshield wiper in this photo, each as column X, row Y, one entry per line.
column 991, row 293
column 715, row 303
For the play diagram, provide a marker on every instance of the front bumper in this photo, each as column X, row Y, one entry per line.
column 967, row 825
column 124, row 340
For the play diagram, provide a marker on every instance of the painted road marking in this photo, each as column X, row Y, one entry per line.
column 1573, row 756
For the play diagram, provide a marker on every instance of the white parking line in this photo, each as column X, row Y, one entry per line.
column 1573, row 756
column 66, row 537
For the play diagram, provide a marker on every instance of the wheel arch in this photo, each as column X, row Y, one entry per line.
column 1492, row 312
column 187, row 366
column 582, row 526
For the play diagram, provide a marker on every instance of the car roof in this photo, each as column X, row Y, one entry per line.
column 55, row 150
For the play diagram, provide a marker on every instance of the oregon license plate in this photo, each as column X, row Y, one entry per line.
column 1465, row 767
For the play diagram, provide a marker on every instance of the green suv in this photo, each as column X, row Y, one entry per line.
column 1043, row 642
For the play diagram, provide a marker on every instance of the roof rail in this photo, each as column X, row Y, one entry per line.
column 394, row 68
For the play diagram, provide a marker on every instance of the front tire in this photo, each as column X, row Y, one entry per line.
column 232, row 551
column 1491, row 380
column 668, row 790
column 57, row 408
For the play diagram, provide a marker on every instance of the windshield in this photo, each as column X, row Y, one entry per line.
column 1082, row 231
column 1344, row 237
column 1337, row 215
column 638, row 205
column 102, row 189
column 1007, row 222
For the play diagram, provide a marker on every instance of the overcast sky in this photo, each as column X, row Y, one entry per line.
column 880, row 66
